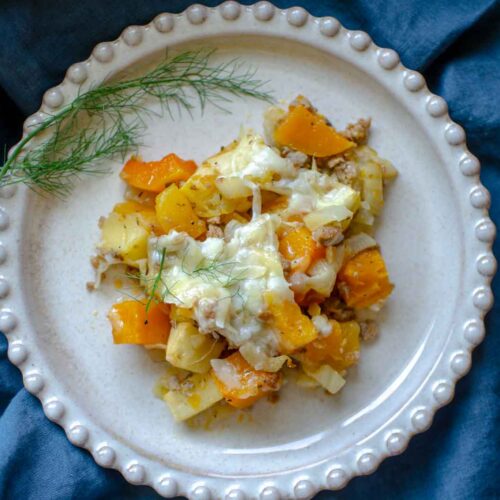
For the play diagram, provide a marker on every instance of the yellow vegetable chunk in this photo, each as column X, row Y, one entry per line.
column 240, row 384
column 371, row 176
column 189, row 349
column 339, row 349
column 308, row 132
column 296, row 329
column 132, row 324
column 207, row 200
column 154, row 176
column 174, row 211
column 145, row 213
column 197, row 393
column 125, row 235
column 297, row 245
column 363, row 280
column 180, row 314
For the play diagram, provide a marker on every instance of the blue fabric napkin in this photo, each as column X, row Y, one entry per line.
column 456, row 44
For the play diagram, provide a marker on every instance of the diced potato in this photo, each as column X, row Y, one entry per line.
column 174, row 211
column 155, row 176
column 146, row 214
column 308, row 132
column 363, row 154
column 339, row 349
column 145, row 198
column 363, row 280
column 203, row 193
column 189, row 349
column 197, row 393
column 240, row 384
column 132, row 324
column 125, row 235
column 296, row 329
column 299, row 247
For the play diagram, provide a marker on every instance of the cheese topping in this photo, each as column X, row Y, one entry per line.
column 252, row 163
column 224, row 281
column 255, row 250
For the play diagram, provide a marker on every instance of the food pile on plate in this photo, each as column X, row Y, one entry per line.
column 254, row 265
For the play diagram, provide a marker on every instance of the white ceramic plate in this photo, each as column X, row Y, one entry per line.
column 435, row 233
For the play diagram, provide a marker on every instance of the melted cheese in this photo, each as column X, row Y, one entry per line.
column 251, row 158
column 252, row 165
column 224, row 282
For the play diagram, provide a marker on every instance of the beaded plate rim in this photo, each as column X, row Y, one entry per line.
column 264, row 17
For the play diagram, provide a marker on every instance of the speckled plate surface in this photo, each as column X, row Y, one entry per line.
column 435, row 234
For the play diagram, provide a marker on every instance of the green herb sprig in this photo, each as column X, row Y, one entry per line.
column 97, row 124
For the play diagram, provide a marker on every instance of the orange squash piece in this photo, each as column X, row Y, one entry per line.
column 340, row 349
column 308, row 132
column 131, row 324
column 299, row 247
column 250, row 385
column 296, row 329
column 363, row 280
column 155, row 176
column 174, row 211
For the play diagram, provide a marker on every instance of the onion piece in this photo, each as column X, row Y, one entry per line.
column 359, row 242
column 327, row 377
column 261, row 361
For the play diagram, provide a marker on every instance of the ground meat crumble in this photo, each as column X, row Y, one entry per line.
column 357, row 132
column 369, row 330
column 335, row 309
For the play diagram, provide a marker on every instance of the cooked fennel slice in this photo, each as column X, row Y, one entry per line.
column 195, row 394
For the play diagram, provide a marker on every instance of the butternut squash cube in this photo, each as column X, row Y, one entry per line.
column 339, row 349
column 155, row 176
column 299, row 247
column 132, row 324
column 296, row 329
column 174, row 211
column 363, row 280
column 240, row 384
column 308, row 132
